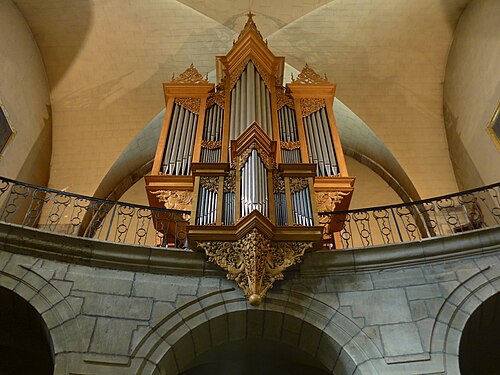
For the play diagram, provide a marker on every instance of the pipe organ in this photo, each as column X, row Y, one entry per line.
column 253, row 160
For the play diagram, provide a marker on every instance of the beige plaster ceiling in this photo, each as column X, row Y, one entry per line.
column 106, row 60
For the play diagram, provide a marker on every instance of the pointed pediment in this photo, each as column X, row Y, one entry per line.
column 253, row 137
column 250, row 45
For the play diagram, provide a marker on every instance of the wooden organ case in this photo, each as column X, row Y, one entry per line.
column 253, row 161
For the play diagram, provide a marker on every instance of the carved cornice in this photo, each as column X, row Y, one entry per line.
column 175, row 199
column 218, row 97
column 210, row 183
column 191, row 104
column 282, row 99
column 254, row 261
column 298, row 184
column 190, row 75
column 211, row 145
column 311, row 105
column 290, row 145
column 309, row 77
column 327, row 200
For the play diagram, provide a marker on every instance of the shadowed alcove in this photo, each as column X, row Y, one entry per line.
column 25, row 346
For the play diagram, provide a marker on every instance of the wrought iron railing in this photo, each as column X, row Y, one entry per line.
column 82, row 216
column 78, row 215
column 435, row 217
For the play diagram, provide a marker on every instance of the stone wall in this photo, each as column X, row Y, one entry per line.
column 387, row 310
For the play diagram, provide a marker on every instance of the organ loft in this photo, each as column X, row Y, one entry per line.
column 253, row 161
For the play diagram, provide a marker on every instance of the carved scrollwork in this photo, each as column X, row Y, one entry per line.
column 175, row 199
column 266, row 77
column 254, row 262
column 211, row 145
column 311, row 105
column 298, row 184
column 210, row 183
column 308, row 76
column 241, row 159
column 327, row 200
column 278, row 183
column 218, row 97
column 290, row 145
column 283, row 99
column 191, row 104
column 230, row 182
column 190, row 75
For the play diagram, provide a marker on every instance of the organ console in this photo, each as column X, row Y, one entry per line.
column 253, row 160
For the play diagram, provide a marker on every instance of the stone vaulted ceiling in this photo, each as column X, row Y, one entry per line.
column 106, row 60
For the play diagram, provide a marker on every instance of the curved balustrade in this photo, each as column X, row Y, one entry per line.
column 435, row 217
column 78, row 215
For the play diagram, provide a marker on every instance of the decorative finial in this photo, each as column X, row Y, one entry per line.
column 309, row 76
column 190, row 75
column 250, row 25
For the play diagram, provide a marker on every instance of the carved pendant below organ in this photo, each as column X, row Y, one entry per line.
column 254, row 261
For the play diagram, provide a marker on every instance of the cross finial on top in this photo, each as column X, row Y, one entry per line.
column 250, row 14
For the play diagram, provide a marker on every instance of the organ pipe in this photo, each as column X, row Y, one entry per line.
column 212, row 134
column 320, row 144
column 250, row 101
column 288, row 133
column 179, row 148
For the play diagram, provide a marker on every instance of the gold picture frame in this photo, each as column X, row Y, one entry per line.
column 7, row 131
column 494, row 127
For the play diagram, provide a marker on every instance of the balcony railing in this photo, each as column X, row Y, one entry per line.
column 435, row 217
column 77, row 215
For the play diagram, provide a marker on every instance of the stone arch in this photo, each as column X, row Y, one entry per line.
column 54, row 310
column 457, row 309
column 316, row 328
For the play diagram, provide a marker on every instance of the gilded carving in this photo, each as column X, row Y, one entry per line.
column 278, row 183
column 298, row 184
column 290, row 145
column 240, row 160
column 191, row 104
column 175, row 199
column 230, row 182
column 210, row 183
column 308, row 76
column 211, row 145
column 327, row 200
column 311, row 105
column 254, row 261
column 190, row 75
column 283, row 99
column 235, row 76
column 218, row 97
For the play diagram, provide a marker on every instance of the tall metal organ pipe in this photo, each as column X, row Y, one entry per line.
column 250, row 101
column 288, row 133
column 254, row 186
column 320, row 144
column 180, row 141
column 212, row 131
column 301, row 208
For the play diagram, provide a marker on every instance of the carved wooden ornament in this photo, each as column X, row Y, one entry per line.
column 254, row 261
column 175, row 199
